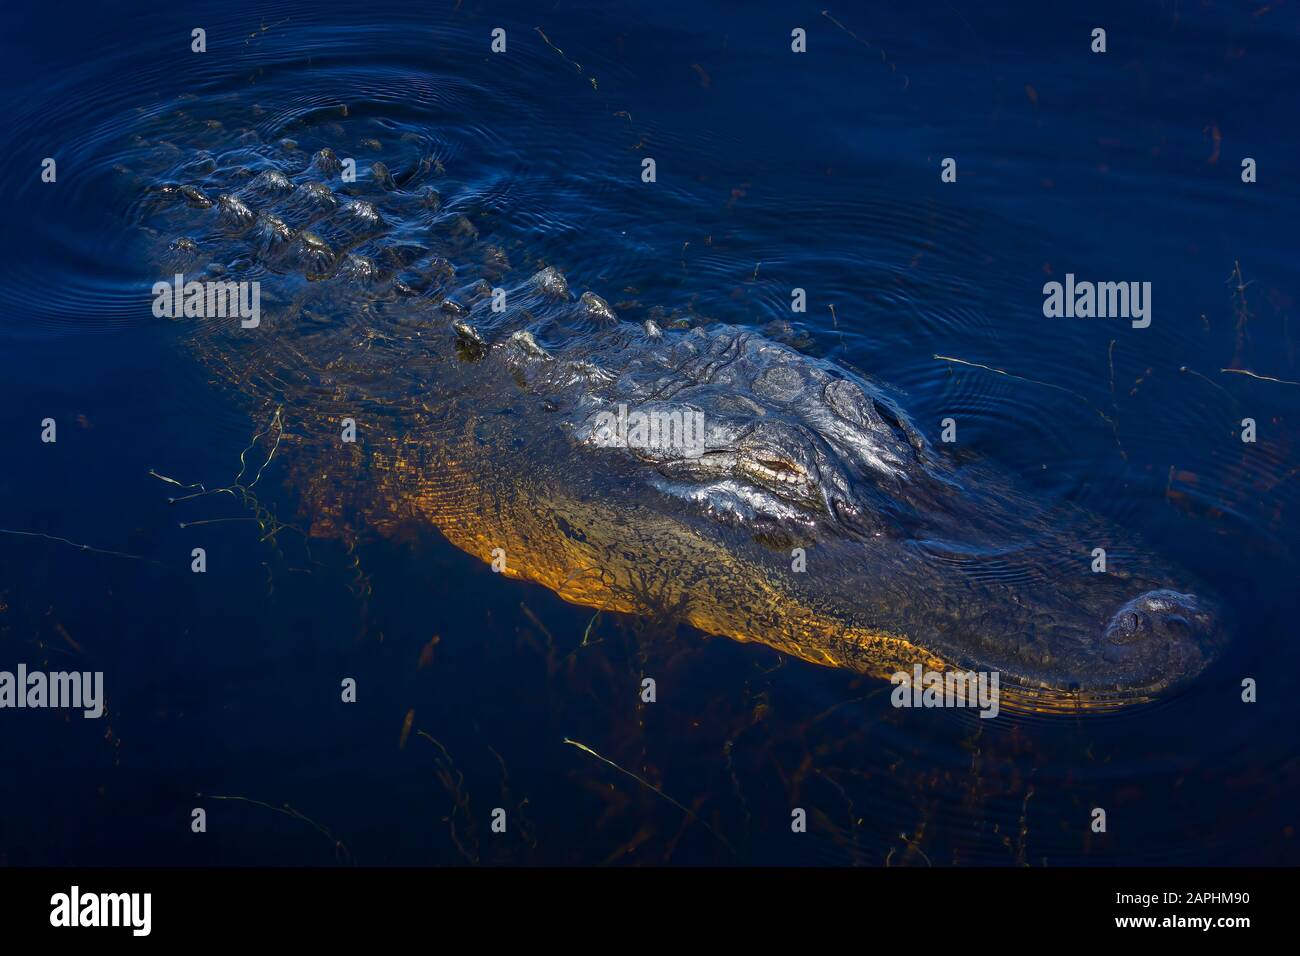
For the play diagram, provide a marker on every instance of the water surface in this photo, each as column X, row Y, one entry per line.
column 775, row 171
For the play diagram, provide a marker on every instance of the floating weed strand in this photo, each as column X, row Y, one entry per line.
column 173, row 481
column 274, row 448
column 914, row 846
column 1262, row 378
column 835, row 322
column 883, row 58
column 586, row 635
column 203, row 491
column 728, row 752
column 650, row 786
column 289, row 811
column 1211, row 382
column 573, row 63
column 269, row 525
column 1060, row 388
column 525, row 827
column 854, row 819
column 202, row 494
column 1114, row 402
column 1110, row 355
column 550, row 638
column 194, row 524
column 243, row 464
column 454, row 785
column 265, row 29
column 586, row 638
column 1022, row 838
column 537, row 622
column 79, row 546
column 1240, row 309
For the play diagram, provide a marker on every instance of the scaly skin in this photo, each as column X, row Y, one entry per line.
column 487, row 425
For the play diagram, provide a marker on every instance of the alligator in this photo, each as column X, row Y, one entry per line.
column 809, row 514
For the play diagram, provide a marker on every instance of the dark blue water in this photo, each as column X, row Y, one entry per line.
column 775, row 170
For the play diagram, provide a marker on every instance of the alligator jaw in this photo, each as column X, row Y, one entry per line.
column 482, row 422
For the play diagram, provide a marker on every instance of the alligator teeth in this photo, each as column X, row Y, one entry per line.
column 786, row 475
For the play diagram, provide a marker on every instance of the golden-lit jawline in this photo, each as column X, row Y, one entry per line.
column 625, row 561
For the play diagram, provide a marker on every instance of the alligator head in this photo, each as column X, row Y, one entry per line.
column 793, row 451
column 510, row 429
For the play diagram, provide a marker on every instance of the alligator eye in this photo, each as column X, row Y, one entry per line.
column 1135, row 622
column 776, row 464
column 1129, row 627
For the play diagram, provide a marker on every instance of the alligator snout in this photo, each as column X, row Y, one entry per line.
column 1162, row 637
column 912, row 553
